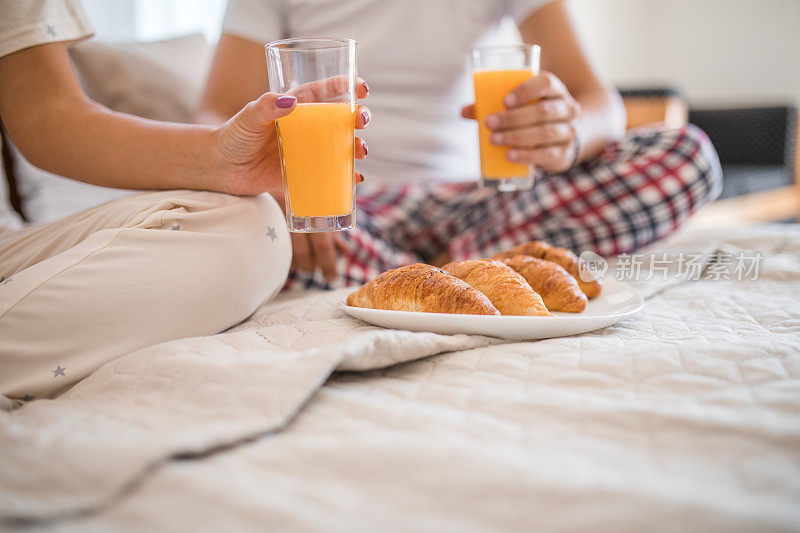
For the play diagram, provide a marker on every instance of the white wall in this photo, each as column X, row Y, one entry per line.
column 716, row 51
column 160, row 19
column 113, row 20
column 719, row 52
column 151, row 20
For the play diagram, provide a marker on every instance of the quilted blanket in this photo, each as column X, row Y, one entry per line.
column 685, row 416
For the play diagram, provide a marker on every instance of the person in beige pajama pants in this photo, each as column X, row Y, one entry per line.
column 152, row 267
column 180, row 261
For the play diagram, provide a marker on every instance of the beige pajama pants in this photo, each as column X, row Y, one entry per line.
column 136, row 271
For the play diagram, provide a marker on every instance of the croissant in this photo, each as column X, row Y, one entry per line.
column 561, row 256
column 507, row 290
column 559, row 290
column 423, row 288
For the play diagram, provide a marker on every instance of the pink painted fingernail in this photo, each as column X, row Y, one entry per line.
column 285, row 102
column 496, row 138
column 492, row 122
column 512, row 155
column 365, row 116
column 510, row 100
column 366, row 150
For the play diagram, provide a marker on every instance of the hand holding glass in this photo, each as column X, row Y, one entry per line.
column 316, row 139
column 496, row 71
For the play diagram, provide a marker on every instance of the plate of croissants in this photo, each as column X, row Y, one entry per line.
column 533, row 291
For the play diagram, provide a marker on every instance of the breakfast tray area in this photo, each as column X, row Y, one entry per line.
column 686, row 415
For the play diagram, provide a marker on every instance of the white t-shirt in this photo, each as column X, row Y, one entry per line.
column 26, row 23
column 414, row 55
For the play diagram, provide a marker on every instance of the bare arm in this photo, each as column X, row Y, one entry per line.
column 238, row 75
column 60, row 130
column 602, row 116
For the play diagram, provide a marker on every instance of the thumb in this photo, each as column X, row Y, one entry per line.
column 258, row 115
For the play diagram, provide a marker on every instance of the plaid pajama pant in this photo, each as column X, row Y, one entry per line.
column 636, row 191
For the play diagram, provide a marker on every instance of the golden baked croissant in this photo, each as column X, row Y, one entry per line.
column 561, row 256
column 559, row 290
column 423, row 288
column 507, row 290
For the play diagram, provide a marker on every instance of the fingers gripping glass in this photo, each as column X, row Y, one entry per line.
column 496, row 71
column 316, row 139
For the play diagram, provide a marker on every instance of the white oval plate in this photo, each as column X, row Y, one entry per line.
column 617, row 301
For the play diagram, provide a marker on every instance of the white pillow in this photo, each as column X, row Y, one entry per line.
column 158, row 80
column 47, row 197
column 9, row 219
column 161, row 80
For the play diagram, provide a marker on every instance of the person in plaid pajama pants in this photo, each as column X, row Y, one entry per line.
column 598, row 188
column 634, row 192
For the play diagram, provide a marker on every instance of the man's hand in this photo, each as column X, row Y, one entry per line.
column 538, row 125
column 312, row 251
column 246, row 148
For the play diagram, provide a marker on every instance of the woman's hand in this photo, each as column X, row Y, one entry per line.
column 538, row 125
column 246, row 148
column 314, row 251
column 244, row 136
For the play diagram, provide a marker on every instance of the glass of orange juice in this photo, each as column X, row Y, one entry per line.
column 316, row 139
column 496, row 70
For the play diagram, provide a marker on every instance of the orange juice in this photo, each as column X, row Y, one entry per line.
column 316, row 141
column 490, row 88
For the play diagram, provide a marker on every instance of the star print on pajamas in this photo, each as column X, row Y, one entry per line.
column 176, row 227
column 58, row 371
column 51, row 30
column 271, row 233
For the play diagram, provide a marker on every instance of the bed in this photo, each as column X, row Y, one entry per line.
column 685, row 416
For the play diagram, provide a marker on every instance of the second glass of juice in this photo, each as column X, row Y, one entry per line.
column 316, row 139
column 496, row 71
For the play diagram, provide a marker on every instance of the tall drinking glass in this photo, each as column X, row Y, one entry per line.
column 316, row 139
column 496, row 70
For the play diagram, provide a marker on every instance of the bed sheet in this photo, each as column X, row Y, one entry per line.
column 685, row 416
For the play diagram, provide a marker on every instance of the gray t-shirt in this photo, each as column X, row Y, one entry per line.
column 414, row 55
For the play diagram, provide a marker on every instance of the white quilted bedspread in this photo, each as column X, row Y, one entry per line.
column 684, row 417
